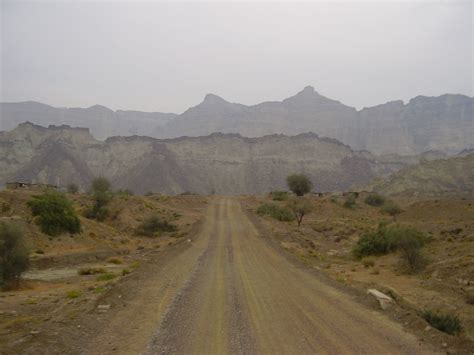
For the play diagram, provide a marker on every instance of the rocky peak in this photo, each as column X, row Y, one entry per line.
column 213, row 100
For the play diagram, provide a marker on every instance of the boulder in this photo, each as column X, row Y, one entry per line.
column 384, row 300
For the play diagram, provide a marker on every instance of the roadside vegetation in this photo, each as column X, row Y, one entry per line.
column 54, row 213
column 279, row 195
column 300, row 208
column 153, row 225
column 385, row 239
column 275, row 211
column 448, row 323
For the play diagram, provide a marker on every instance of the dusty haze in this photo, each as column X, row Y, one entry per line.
column 166, row 56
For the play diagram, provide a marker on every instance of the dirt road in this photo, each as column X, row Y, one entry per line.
column 229, row 291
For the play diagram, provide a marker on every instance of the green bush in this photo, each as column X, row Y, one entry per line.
column 374, row 199
column 55, row 213
column 279, row 195
column 106, row 277
column 300, row 184
column 73, row 294
column 407, row 241
column 154, row 224
column 14, row 259
column 102, row 195
column 448, row 323
column 391, row 208
column 373, row 243
column 280, row 213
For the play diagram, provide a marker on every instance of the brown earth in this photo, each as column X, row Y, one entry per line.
column 326, row 238
column 226, row 287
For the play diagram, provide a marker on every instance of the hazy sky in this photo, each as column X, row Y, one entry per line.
column 165, row 56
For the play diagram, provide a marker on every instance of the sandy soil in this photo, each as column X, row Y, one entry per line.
column 229, row 291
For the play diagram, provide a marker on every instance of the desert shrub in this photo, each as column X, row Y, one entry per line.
column 72, row 188
column 350, row 201
column 448, row 323
column 14, row 259
column 391, row 208
column 100, row 188
column 115, row 260
column 55, row 213
column 279, row 195
column 373, row 243
column 91, row 271
column 125, row 272
column 280, row 213
column 408, row 242
column 300, row 184
column 73, row 294
column 300, row 207
column 106, row 277
column 374, row 199
column 154, row 224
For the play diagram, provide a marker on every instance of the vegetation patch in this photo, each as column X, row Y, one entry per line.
column 154, row 225
column 407, row 241
column 447, row 323
column 375, row 199
column 106, row 277
column 54, row 213
column 91, row 271
column 299, row 184
column 14, row 259
column 115, row 260
column 73, row 294
column 350, row 201
column 279, row 195
column 280, row 213
column 101, row 190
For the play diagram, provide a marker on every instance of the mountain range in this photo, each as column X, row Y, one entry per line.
column 444, row 123
column 218, row 163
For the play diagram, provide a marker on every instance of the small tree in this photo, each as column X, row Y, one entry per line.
column 300, row 184
column 72, row 188
column 409, row 242
column 300, row 207
column 102, row 195
column 14, row 258
column 55, row 213
column 100, row 184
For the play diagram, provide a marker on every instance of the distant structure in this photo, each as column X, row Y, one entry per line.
column 16, row 185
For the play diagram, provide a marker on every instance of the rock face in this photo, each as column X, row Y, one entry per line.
column 444, row 123
column 220, row 163
column 102, row 121
column 452, row 176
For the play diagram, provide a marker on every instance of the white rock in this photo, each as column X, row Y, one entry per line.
column 103, row 307
column 384, row 300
